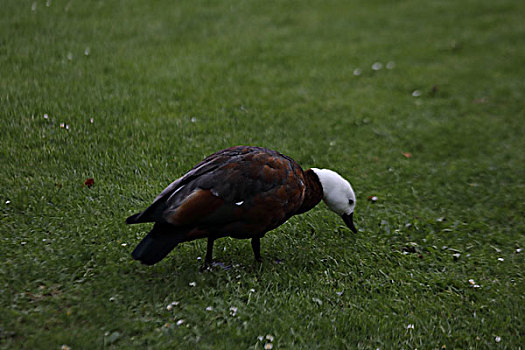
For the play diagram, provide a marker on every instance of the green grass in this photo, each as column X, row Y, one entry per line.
column 168, row 83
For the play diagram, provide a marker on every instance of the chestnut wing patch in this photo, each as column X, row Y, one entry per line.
column 194, row 208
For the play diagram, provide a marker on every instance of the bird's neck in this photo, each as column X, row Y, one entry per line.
column 313, row 192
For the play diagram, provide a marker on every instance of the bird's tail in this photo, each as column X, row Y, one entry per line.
column 137, row 219
column 157, row 244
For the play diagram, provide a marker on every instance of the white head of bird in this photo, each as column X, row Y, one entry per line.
column 338, row 195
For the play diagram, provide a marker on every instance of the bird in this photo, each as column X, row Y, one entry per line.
column 241, row 192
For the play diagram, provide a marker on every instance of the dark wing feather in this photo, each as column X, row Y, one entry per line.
column 165, row 198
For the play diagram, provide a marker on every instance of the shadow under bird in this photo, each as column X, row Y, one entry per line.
column 241, row 192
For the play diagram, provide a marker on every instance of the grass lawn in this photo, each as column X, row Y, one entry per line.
column 134, row 93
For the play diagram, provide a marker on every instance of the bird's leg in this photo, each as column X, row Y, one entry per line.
column 256, row 246
column 209, row 252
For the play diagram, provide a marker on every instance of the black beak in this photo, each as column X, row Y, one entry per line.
column 349, row 221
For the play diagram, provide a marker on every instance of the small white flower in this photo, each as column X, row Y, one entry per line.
column 67, row 126
column 518, row 250
column 477, row 286
column 112, row 299
column 410, row 326
column 416, row 93
column 252, row 290
column 261, row 338
column 171, row 305
column 497, row 339
column 471, row 281
column 91, row 120
column 209, row 308
column 23, row 243
column 269, row 337
column 377, row 66
column 193, row 120
column 357, row 72
column 123, row 244
column 179, row 322
column 46, row 116
column 233, row 311
column 193, row 284
column 86, row 51
column 7, row 202
column 43, row 239
column 268, row 346
column 62, row 125
column 390, row 65
column 65, row 347
column 501, row 259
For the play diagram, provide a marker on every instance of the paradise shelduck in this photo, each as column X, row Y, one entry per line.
column 241, row 192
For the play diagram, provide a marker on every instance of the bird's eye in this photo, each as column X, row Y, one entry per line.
column 350, row 201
